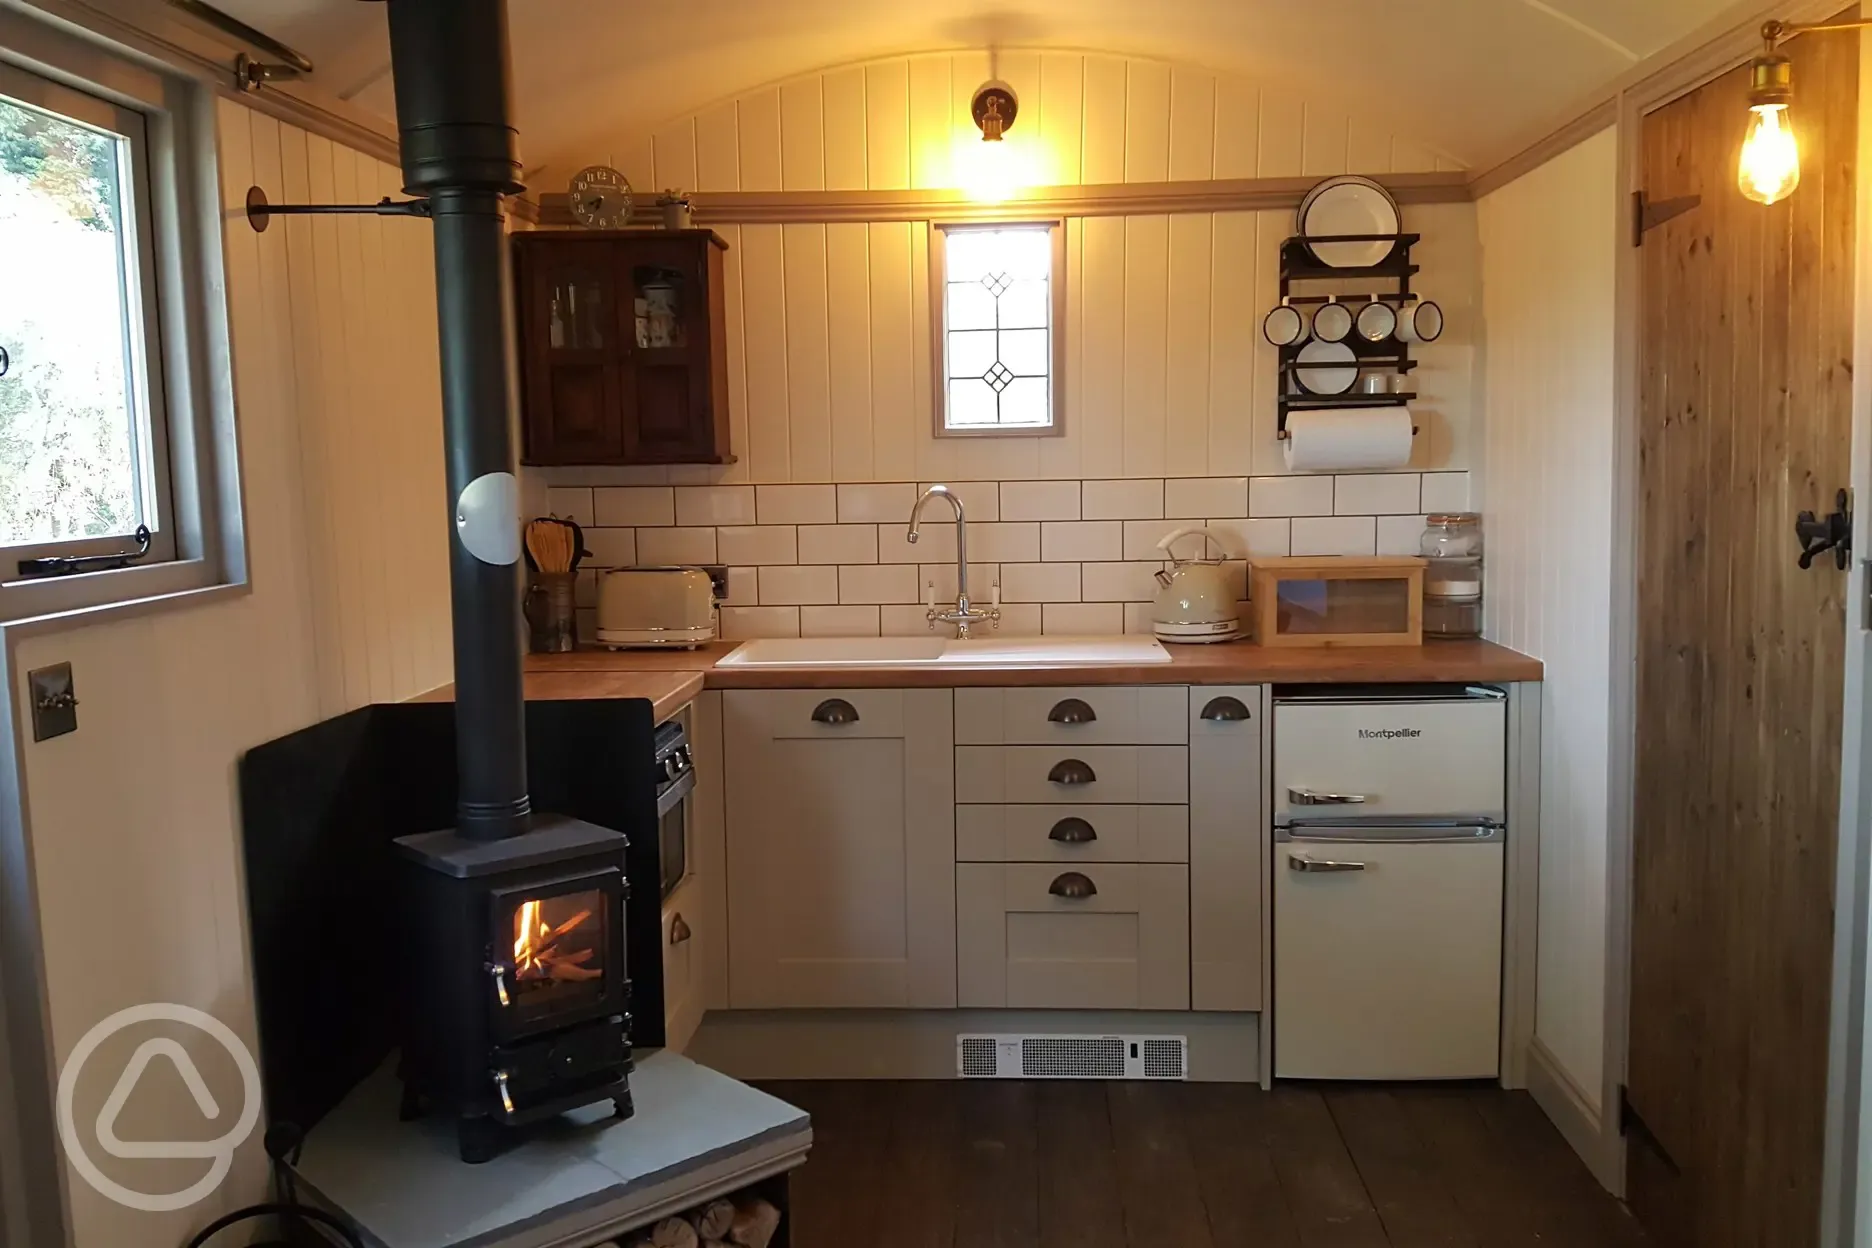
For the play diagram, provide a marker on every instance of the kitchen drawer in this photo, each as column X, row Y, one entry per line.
column 1156, row 774
column 1095, row 715
column 1402, row 758
column 683, row 988
column 1099, row 936
column 804, row 714
column 1072, row 833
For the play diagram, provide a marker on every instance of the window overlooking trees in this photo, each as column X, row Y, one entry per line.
column 80, row 408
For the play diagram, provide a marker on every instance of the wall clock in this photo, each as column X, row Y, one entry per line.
column 600, row 198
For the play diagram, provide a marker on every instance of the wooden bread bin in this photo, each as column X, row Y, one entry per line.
column 1338, row 600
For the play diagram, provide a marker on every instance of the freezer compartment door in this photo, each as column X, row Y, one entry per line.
column 1378, row 760
column 1387, row 957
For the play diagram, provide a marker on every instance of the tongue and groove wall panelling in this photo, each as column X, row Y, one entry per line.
column 337, row 394
column 1166, row 374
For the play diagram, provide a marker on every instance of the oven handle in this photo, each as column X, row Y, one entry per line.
column 668, row 799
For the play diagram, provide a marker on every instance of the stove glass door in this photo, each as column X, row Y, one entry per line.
column 557, row 940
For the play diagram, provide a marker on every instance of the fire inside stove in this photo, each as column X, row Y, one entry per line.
column 559, row 944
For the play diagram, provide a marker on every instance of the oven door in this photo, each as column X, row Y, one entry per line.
column 675, row 831
column 557, row 952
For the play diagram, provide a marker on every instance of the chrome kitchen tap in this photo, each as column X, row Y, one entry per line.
column 963, row 614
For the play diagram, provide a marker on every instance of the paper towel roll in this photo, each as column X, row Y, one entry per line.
column 1341, row 438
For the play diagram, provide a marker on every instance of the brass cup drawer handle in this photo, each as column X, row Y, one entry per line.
column 679, row 931
column 1073, row 886
column 1072, row 771
column 835, row 713
column 1225, row 710
column 1073, row 831
column 1072, row 711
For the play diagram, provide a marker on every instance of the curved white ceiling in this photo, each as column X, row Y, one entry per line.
column 1464, row 76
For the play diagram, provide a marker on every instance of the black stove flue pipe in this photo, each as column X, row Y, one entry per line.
column 460, row 150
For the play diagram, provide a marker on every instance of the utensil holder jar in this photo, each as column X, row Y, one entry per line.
column 552, row 612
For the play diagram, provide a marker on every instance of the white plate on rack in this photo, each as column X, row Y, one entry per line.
column 1327, row 380
column 1348, row 204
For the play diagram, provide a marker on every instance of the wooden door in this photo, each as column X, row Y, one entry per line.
column 669, row 415
column 571, row 350
column 1744, row 421
column 841, row 848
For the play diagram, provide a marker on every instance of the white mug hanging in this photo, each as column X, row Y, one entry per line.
column 1421, row 322
column 1332, row 323
column 1284, row 326
column 1376, row 321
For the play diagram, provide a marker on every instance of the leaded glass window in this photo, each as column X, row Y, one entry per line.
column 998, row 322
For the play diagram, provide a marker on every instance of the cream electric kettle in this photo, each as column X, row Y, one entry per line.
column 1195, row 604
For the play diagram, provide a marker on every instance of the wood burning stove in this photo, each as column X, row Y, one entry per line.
column 521, row 1005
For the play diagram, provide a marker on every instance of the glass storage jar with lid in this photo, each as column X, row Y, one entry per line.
column 1452, row 542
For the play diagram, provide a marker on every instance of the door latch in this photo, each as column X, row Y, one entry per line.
column 1832, row 531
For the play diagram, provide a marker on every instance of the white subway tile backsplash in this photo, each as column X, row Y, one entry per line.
column 1334, row 535
column 935, row 542
column 611, row 548
column 1246, row 539
column 1039, row 500
column 1400, row 535
column 904, row 621
column 983, row 577
column 1135, row 499
column 663, row 546
column 797, row 504
column 1141, row 537
column 602, row 474
column 585, row 589
column 1140, row 617
column 1039, row 582
column 758, row 544
column 878, row 583
column 1198, row 498
column 876, row 504
column 1446, row 491
column 634, row 506
column 571, row 502
column 1014, row 542
column 1018, row 619
column 838, row 543
column 1119, row 582
column 743, row 587
column 838, row 621
column 784, row 586
column 715, row 504
column 1377, row 494
column 1072, row 540
column 1082, row 619
column 747, row 623
column 1290, row 496
column 981, row 499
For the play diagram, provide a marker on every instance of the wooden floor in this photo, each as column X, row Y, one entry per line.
column 1189, row 1165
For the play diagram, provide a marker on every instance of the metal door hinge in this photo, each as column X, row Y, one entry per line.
column 1648, row 214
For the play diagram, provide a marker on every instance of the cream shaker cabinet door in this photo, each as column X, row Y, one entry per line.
column 841, row 848
column 1228, row 847
column 1098, row 936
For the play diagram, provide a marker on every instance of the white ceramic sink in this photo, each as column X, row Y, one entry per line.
column 939, row 652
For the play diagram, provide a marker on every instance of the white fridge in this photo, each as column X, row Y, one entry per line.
column 1389, row 851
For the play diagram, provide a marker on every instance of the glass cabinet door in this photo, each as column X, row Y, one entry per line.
column 663, row 296
column 577, row 310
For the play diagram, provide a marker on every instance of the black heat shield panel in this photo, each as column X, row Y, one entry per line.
column 319, row 810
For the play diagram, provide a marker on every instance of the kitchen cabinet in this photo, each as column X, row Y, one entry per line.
column 1096, row 936
column 623, row 347
column 684, row 973
column 1228, row 847
column 840, row 848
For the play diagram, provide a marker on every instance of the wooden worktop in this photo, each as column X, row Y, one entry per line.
column 668, row 690
column 592, row 673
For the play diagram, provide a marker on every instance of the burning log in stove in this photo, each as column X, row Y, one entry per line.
column 537, row 951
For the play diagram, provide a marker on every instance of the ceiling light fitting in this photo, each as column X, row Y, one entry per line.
column 994, row 108
column 1769, row 168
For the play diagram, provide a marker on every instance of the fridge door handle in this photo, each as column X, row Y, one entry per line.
column 1296, row 863
column 1307, row 797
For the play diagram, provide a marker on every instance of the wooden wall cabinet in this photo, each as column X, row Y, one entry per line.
column 623, row 348
column 841, row 848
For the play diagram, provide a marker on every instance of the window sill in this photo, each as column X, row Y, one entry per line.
column 56, row 604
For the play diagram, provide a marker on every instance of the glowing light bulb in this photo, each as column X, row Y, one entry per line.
column 1770, row 166
column 991, row 170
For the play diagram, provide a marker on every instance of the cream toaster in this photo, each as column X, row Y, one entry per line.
column 655, row 608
